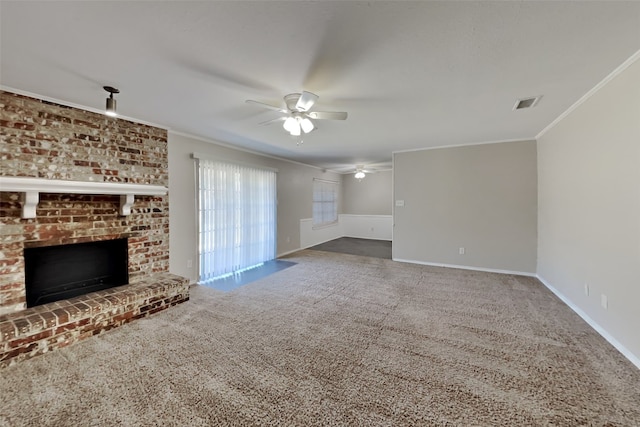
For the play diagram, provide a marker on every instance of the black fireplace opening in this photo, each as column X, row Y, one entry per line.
column 54, row 273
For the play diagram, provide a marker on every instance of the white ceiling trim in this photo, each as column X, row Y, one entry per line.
column 376, row 170
column 246, row 150
column 633, row 58
column 465, row 145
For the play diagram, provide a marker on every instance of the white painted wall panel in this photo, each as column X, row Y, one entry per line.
column 377, row 227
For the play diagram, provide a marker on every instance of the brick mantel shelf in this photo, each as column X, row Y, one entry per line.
column 32, row 187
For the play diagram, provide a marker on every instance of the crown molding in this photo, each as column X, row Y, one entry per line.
column 626, row 64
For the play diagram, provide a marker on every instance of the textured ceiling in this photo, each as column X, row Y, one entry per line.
column 410, row 74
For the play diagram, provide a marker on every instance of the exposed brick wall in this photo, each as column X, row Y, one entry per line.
column 45, row 140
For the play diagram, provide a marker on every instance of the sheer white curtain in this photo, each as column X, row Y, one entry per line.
column 237, row 209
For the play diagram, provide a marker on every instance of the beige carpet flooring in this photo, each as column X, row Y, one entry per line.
column 338, row 340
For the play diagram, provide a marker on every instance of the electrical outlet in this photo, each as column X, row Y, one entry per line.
column 288, row 239
column 189, row 263
column 603, row 301
column 586, row 289
column 461, row 251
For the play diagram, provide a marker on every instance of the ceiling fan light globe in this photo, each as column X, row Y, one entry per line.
column 294, row 125
column 359, row 175
column 289, row 124
column 305, row 101
column 306, row 125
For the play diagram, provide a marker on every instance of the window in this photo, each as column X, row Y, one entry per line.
column 237, row 217
column 325, row 202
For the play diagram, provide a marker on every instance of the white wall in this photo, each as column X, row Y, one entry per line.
column 310, row 236
column 589, row 209
column 375, row 227
column 294, row 186
column 482, row 198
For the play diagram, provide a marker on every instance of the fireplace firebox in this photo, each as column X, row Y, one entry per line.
column 54, row 273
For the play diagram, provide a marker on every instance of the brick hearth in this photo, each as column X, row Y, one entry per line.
column 40, row 139
column 39, row 329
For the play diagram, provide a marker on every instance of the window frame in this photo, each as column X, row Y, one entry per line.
column 324, row 192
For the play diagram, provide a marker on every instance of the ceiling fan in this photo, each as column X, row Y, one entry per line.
column 360, row 172
column 298, row 112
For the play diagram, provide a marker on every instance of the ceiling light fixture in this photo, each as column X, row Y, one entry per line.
column 306, row 125
column 111, row 102
column 297, row 123
column 299, row 117
column 290, row 124
column 359, row 175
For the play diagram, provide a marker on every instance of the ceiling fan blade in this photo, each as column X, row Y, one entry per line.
column 268, row 122
column 328, row 115
column 270, row 107
column 306, row 101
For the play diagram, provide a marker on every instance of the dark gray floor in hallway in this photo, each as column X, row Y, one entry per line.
column 353, row 246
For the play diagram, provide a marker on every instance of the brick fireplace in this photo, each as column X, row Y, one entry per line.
column 40, row 139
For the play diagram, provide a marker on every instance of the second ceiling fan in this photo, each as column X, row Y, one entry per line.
column 298, row 112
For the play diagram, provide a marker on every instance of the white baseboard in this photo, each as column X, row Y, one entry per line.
column 599, row 329
column 466, row 267
column 288, row 253
column 368, row 238
column 306, row 247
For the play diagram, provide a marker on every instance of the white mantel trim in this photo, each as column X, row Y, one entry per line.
column 32, row 187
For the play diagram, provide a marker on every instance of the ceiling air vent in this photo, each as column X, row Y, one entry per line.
column 527, row 102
